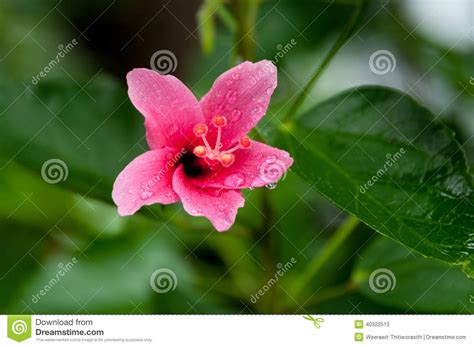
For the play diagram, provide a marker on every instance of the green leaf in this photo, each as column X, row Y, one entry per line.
column 408, row 281
column 94, row 130
column 379, row 155
column 206, row 25
column 111, row 275
column 206, row 16
column 27, row 199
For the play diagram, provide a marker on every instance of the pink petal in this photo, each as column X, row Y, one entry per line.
column 255, row 167
column 242, row 95
column 218, row 205
column 169, row 107
column 146, row 180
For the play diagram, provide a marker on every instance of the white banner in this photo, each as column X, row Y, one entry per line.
column 237, row 330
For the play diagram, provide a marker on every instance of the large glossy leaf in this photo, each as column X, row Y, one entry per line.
column 378, row 154
column 110, row 276
column 394, row 276
column 92, row 128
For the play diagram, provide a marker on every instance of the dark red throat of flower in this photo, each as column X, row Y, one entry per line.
column 217, row 155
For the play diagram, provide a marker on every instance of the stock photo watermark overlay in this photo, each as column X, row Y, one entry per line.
column 382, row 281
column 164, row 62
column 63, row 270
column 54, row 171
column 382, row 62
column 163, row 280
column 282, row 270
column 392, row 159
column 63, row 51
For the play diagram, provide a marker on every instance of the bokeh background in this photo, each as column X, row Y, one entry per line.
column 79, row 113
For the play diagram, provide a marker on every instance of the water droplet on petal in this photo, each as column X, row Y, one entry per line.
column 271, row 185
column 130, row 191
column 257, row 111
column 270, row 159
column 231, row 95
column 236, row 114
column 146, row 194
column 234, row 181
column 269, row 91
column 235, row 76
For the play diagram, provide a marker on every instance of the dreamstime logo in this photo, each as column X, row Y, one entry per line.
column 391, row 160
column 261, row 75
column 54, row 171
column 272, row 170
column 63, row 50
column 382, row 280
column 63, row 269
column 382, row 62
column 19, row 327
column 163, row 281
column 282, row 269
column 149, row 187
column 163, row 62
column 283, row 50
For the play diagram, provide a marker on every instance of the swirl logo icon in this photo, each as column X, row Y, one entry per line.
column 163, row 62
column 382, row 62
column 54, row 171
column 19, row 327
column 163, row 281
column 382, row 280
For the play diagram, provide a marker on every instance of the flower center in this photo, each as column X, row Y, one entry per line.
column 215, row 154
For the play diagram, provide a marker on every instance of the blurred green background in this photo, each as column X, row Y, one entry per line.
column 44, row 226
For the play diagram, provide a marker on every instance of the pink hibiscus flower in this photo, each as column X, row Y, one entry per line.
column 200, row 153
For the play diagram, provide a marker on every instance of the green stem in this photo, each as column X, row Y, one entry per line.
column 267, row 246
column 345, row 34
column 246, row 15
column 339, row 236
